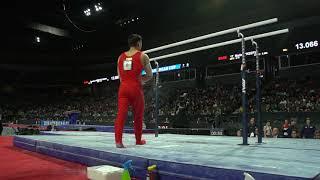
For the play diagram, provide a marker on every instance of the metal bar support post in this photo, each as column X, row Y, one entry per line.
column 157, row 100
column 258, row 91
column 244, row 90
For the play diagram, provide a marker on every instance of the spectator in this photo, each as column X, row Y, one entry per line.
column 285, row 129
column 308, row 130
column 257, row 131
column 294, row 134
column 292, row 127
column 317, row 134
column 252, row 128
column 267, row 130
column 49, row 127
column 275, row 133
column 239, row 133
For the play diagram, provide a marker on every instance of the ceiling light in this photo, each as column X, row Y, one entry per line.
column 98, row 7
column 87, row 12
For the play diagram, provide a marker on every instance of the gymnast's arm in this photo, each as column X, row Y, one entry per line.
column 147, row 67
column 118, row 68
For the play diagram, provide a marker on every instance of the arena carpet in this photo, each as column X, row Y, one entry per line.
column 17, row 164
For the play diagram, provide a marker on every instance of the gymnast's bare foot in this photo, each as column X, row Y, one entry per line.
column 142, row 142
column 120, row 146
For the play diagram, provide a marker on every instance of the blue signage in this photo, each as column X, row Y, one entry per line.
column 165, row 68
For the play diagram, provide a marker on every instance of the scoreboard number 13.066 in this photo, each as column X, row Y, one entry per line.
column 307, row 45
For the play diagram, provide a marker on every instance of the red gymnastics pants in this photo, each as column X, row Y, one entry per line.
column 129, row 96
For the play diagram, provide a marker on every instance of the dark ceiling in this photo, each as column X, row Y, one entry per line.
column 99, row 38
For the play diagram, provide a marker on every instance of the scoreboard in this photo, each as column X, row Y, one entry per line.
column 295, row 47
column 238, row 56
column 307, row 45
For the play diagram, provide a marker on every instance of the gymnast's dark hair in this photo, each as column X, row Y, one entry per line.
column 133, row 39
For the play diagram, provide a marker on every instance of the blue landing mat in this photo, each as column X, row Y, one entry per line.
column 98, row 128
column 186, row 157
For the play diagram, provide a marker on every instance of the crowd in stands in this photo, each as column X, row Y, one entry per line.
column 289, row 129
column 284, row 95
column 90, row 107
column 214, row 101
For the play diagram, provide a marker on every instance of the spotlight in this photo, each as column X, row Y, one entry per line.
column 98, row 7
column 87, row 12
column 37, row 39
column 284, row 50
column 132, row 20
column 137, row 18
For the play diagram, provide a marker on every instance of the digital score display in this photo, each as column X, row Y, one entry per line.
column 239, row 55
column 307, row 45
column 297, row 46
column 169, row 68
